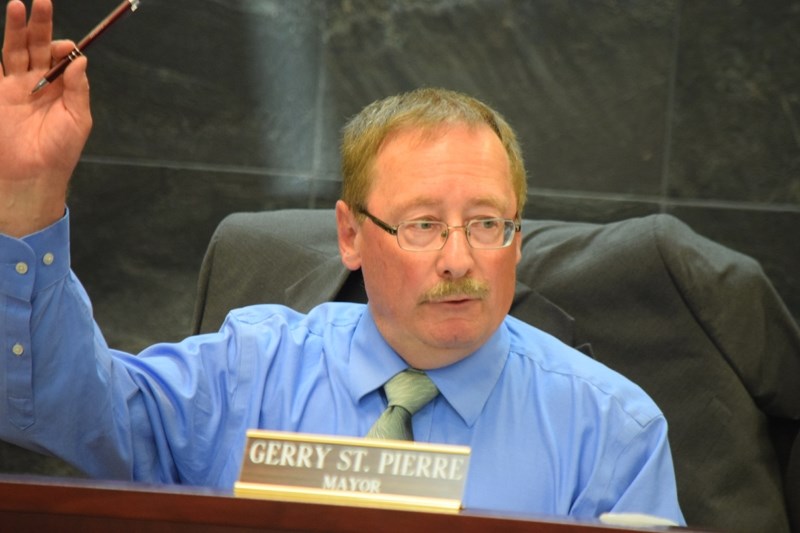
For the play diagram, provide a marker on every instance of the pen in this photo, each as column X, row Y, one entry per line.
column 59, row 68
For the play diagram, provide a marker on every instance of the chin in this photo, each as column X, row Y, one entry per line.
column 465, row 342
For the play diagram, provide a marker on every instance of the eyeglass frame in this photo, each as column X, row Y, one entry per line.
column 394, row 230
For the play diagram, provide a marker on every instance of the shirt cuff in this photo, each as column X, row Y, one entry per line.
column 36, row 261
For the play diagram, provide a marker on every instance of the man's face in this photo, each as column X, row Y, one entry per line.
column 455, row 176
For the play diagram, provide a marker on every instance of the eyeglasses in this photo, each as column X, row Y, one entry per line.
column 430, row 235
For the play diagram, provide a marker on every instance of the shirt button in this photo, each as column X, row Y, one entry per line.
column 48, row 259
column 22, row 268
column 17, row 349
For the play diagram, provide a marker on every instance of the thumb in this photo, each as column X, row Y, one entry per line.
column 76, row 92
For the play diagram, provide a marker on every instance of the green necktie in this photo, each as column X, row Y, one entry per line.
column 407, row 393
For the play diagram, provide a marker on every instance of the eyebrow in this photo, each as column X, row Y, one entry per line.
column 482, row 201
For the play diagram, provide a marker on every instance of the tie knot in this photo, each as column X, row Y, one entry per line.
column 410, row 389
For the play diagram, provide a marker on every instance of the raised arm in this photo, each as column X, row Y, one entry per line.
column 62, row 390
column 42, row 134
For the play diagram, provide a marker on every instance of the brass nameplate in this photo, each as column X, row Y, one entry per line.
column 351, row 471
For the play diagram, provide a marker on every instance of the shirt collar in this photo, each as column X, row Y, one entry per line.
column 372, row 360
column 466, row 384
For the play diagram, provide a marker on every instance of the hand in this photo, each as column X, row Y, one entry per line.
column 41, row 135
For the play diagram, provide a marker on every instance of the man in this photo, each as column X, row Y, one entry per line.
column 434, row 188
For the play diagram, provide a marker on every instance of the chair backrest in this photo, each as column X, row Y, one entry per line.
column 695, row 324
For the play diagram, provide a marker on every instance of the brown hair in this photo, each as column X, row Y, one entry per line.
column 426, row 109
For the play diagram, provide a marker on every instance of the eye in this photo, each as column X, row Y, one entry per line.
column 488, row 223
column 423, row 225
column 485, row 225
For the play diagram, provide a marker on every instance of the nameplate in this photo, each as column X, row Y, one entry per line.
column 351, row 471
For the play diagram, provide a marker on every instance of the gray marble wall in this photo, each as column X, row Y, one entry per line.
column 623, row 107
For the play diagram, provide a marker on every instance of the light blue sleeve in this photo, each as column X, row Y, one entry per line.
column 176, row 413
column 613, row 453
column 628, row 462
column 644, row 475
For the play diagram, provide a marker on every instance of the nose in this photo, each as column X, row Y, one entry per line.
column 455, row 258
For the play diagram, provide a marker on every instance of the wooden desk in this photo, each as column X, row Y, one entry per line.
column 41, row 504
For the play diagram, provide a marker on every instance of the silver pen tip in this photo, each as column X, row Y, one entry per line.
column 39, row 85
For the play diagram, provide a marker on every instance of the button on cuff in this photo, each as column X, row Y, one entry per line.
column 53, row 240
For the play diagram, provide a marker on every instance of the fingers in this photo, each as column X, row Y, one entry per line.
column 15, row 40
column 27, row 46
column 40, row 33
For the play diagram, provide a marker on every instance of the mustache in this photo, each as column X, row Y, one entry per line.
column 467, row 287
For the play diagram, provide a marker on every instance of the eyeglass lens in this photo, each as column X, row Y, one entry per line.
column 431, row 235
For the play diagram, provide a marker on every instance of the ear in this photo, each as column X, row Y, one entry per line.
column 347, row 228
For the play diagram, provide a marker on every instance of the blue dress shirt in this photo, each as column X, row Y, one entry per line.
column 552, row 431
